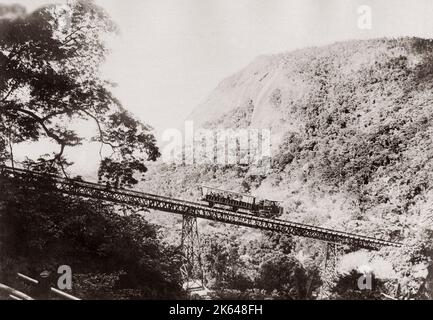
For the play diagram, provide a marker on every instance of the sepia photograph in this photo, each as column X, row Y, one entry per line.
column 238, row 152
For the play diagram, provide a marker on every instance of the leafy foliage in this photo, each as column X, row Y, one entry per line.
column 50, row 81
column 262, row 268
column 347, row 288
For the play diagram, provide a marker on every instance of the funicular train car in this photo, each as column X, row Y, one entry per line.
column 241, row 202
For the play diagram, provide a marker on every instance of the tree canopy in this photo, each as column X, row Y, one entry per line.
column 50, row 78
column 111, row 255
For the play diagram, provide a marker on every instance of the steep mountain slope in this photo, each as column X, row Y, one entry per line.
column 352, row 143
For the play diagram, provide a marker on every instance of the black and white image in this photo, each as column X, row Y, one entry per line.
column 216, row 150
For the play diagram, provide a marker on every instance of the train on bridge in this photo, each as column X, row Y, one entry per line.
column 90, row 190
column 240, row 202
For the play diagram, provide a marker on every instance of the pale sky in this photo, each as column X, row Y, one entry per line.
column 172, row 53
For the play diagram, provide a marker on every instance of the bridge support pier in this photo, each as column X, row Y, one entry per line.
column 192, row 268
column 333, row 254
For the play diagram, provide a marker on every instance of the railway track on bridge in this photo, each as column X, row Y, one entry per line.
column 194, row 209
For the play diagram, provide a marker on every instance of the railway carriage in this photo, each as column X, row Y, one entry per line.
column 241, row 202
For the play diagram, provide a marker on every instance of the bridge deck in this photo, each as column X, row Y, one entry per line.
column 161, row 203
